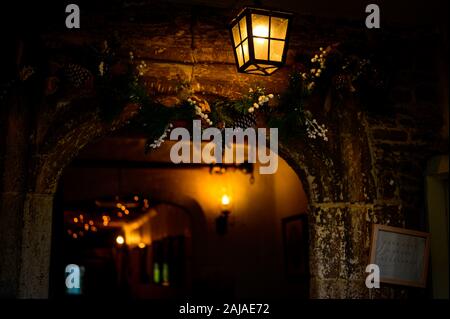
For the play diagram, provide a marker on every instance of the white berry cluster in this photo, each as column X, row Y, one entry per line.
column 199, row 112
column 261, row 100
column 142, row 68
column 157, row 143
column 319, row 58
column 314, row 130
column 315, row 72
column 101, row 68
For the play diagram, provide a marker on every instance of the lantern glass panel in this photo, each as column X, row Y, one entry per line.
column 278, row 28
column 239, row 55
column 261, row 47
column 276, row 50
column 271, row 70
column 243, row 27
column 245, row 47
column 236, row 37
column 260, row 25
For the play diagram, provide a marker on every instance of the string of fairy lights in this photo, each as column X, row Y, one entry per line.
column 80, row 223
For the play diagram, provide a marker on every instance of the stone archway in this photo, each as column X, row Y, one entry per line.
column 339, row 216
column 358, row 187
column 56, row 153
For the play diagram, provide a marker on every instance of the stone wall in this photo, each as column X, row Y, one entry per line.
column 371, row 173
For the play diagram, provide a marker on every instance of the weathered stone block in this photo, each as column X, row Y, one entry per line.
column 390, row 135
column 387, row 214
column 36, row 243
column 338, row 289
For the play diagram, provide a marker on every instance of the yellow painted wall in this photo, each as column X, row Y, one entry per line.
column 249, row 258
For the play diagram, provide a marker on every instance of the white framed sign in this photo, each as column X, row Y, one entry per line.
column 402, row 255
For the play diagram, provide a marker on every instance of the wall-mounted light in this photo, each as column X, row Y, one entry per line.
column 260, row 40
column 120, row 240
column 226, row 201
column 222, row 219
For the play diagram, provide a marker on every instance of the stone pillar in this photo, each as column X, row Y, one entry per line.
column 12, row 196
column 11, row 209
column 36, row 246
column 339, row 249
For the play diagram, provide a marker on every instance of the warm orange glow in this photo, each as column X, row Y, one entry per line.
column 261, row 30
column 260, row 45
column 225, row 200
column 91, row 222
column 141, row 245
column 120, row 240
column 75, row 220
column 126, row 212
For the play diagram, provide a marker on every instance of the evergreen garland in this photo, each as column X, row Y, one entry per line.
column 335, row 71
column 329, row 72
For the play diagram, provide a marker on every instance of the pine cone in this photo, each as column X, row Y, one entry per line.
column 245, row 121
column 77, row 75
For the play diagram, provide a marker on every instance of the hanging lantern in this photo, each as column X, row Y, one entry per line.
column 260, row 40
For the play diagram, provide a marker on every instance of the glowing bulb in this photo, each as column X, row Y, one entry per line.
column 261, row 31
column 226, row 200
column 259, row 41
column 120, row 240
column 141, row 245
column 75, row 220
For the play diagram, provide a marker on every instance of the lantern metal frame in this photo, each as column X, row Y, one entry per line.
column 262, row 66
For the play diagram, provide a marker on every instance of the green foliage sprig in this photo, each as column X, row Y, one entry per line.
column 328, row 72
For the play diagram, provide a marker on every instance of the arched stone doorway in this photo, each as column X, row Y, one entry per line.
column 249, row 222
column 350, row 188
column 341, row 203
